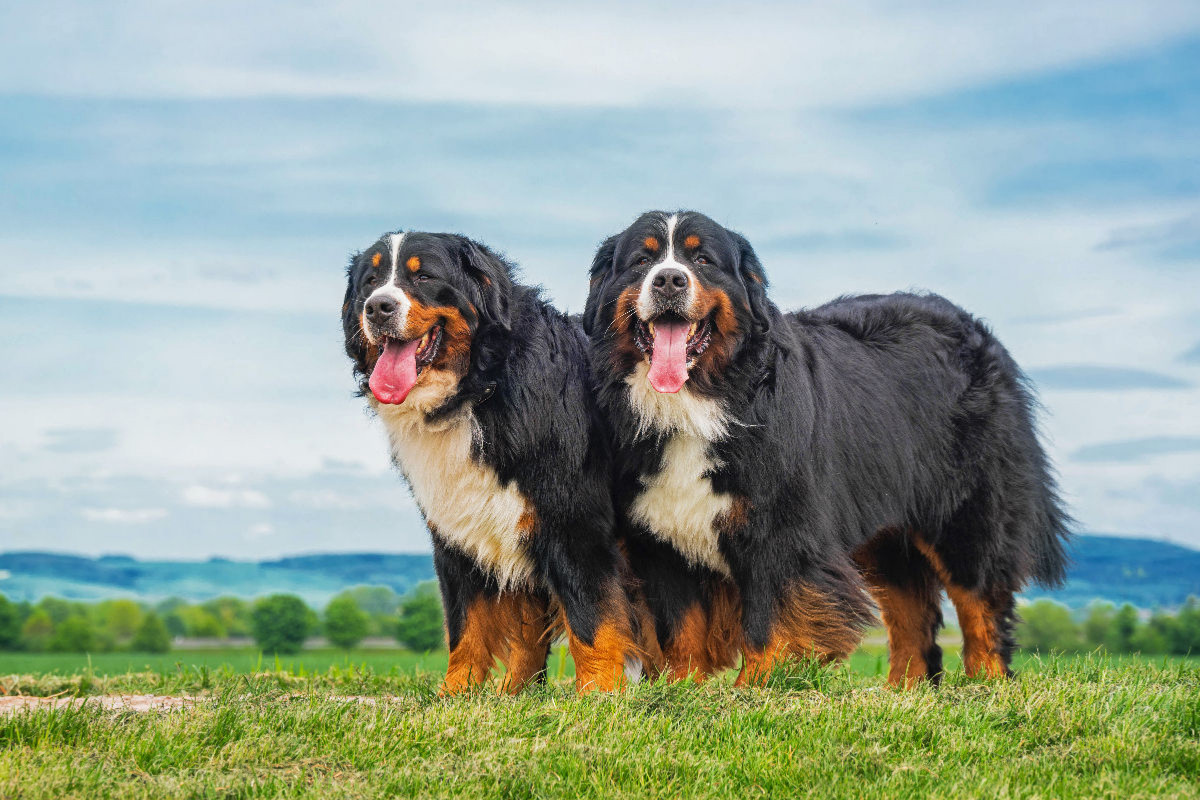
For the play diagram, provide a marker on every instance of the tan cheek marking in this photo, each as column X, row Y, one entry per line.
column 692, row 242
column 375, row 259
column 413, row 264
column 651, row 244
column 625, row 353
column 455, row 354
column 754, row 277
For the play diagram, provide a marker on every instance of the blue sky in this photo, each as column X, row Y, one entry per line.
column 180, row 185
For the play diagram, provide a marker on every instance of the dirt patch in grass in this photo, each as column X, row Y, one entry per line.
column 145, row 702
column 115, row 702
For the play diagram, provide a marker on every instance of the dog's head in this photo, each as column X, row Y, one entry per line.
column 416, row 306
column 678, row 292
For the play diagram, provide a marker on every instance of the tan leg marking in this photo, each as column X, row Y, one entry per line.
column 977, row 619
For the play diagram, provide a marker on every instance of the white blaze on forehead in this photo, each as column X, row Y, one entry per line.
column 390, row 289
column 645, row 303
column 394, row 242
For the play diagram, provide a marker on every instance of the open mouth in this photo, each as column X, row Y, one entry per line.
column 672, row 344
column 699, row 336
column 401, row 365
column 428, row 347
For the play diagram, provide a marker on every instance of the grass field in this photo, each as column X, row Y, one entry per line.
column 1066, row 727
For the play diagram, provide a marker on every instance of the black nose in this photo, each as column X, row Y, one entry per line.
column 670, row 282
column 380, row 308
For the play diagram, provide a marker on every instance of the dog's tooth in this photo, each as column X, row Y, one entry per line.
column 650, row 327
column 691, row 330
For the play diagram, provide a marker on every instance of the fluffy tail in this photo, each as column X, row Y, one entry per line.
column 1053, row 524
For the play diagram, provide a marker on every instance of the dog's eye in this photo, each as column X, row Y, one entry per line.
column 702, row 260
column 642, row 261
column 420, row 277
column 372, row 280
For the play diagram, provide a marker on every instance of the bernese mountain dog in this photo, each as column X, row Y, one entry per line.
column 484, row 392
column 774, row 469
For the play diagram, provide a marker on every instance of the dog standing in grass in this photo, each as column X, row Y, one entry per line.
column 485, row 394
column 773, row 468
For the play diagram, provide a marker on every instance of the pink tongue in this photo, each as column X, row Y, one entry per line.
column 395, row 372
column 668, row 362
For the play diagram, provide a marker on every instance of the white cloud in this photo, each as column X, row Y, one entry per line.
column 622, row 53
column 259, row 530
column 124, row 516
column 207, row 497
column 323, row 498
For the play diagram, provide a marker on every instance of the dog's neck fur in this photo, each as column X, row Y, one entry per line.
column 684, row 412
column 462, row 499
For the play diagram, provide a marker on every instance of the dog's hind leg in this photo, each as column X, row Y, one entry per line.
column 908, row 592
column 985, row 615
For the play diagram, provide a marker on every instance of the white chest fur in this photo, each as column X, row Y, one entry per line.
column 462, row 499
column 677, row 503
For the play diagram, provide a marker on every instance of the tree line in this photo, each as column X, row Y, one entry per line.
column 1047, row 626
column 279, row 623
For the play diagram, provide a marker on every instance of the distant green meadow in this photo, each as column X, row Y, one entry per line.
column 370, row 724
column 869, row 661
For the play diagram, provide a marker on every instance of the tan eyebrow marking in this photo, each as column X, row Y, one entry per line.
column 375, row 259
column 413, row 264
column 692, row 241
column 651, row 244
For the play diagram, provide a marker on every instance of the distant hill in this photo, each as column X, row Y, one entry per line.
column 1146, row 573
column 316, row 578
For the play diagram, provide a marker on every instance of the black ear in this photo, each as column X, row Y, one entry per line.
column 602, row 269
column 493, row 281
column 356, row 341
column 750, row 270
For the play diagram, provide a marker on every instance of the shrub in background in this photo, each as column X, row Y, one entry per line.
column 420, row 627
column 152, row 635
column 1046, row 626
column 73, row 635
column 381, row 604
column 170, row 611
column 345, row 623
column 1125, row 625
column 37, row 630
column 118, row 619
column 200, row 623
column 231, row 613
column 1098, row 625
column 10, row 624
column 1186, row 637
column 281, row 623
